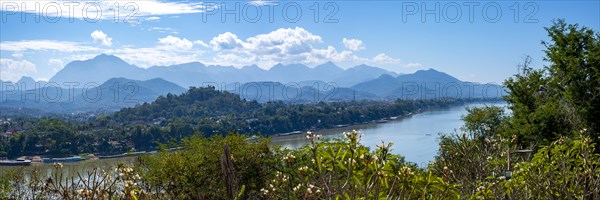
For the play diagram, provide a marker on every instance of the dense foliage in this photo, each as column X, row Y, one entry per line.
column 205, row 110
column 565, row 95
column 235, row 167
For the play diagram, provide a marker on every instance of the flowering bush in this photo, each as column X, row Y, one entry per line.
column 340, row 168
column 343, row 168
column 566, row 169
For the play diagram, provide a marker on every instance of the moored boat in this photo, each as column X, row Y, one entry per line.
column 290, row 133
column 382, row 121
column 112, row 156
column 63, row 160
column 15, row 162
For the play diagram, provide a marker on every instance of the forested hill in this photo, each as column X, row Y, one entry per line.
column 209, row 111
column 194, row 103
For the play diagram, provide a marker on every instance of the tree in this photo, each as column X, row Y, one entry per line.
column 574, row 72
column 563, row 96
column 537, row 115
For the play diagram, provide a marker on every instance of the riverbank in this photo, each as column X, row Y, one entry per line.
column 414, row 136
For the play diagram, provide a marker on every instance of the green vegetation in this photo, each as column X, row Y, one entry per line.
column 330, row 169
column 544, row 149
column 565, row 95
column 205, row 110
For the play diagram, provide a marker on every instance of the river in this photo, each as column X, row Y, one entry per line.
column 415, row 137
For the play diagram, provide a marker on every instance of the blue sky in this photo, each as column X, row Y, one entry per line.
column 474, row 41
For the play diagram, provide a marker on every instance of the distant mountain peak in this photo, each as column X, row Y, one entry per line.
column 431, row 74
column 277, row 65
column 109, row 58
column 429, row 70
column 386, row 76
column 366, row 67
column 328, row 65
column 252, row 67
column 158, row 79
column 99, row 56
column 296, row 66
column 26, row 79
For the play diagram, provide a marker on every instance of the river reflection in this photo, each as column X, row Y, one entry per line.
column 416, row 137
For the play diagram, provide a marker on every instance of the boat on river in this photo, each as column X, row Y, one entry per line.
column 63, row 160
column 137, row 153
column 291, row 133
column 382, row 121
column 18, row 162
column 112, row 156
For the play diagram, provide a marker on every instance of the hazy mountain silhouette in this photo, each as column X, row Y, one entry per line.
column 97, row 70
column 425, row 84
column 114, row 94
column 24, row 83
column 104, row 67
column 296, row 93
column 295, row 83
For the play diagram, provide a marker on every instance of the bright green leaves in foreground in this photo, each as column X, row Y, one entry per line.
column 566, row 169
column 468, row 166
column 342, row 168
column 325, row 169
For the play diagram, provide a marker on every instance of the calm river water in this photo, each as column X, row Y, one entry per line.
column 415, row 137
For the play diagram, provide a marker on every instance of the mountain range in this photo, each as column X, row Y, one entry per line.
column 120, row 84
column 104, row 67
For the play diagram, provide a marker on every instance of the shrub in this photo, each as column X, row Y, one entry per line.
column 566, row 169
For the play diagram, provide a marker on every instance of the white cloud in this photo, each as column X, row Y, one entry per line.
column 56, row 64
column 201, row 43
column 353, row 44
column 153, row 18
column 40, row 45
column 17, row 55
column 168, row 51
column 226, row 41
column 96, row 10
column 175, row 43
column 263, row 3
column 154, row 56
column 382, row 58
column 82, row 56
column 101, row 37
column 163, row 30
column 283, row 41
column 415, row 65
column 284, row 45
column 13, row 70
